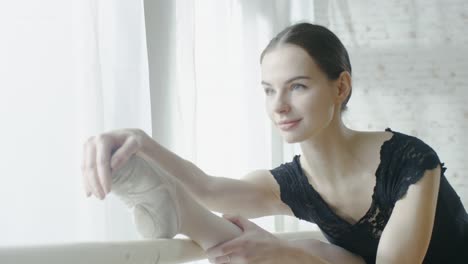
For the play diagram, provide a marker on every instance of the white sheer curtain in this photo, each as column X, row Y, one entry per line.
column 220, row 117
column 112, row 92
column 69, row 70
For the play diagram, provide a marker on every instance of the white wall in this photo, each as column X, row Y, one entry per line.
column 410, row 72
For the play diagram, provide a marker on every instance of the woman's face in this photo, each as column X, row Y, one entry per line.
column 296, row 89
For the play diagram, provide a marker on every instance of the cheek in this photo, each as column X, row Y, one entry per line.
column 316, row 106
column 268, row 109
column 309, row 103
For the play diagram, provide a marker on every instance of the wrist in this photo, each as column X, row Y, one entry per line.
column 290, row 254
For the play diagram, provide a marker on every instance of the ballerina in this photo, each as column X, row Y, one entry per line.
column 378, row 197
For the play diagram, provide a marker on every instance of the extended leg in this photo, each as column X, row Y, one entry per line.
column 162, row 207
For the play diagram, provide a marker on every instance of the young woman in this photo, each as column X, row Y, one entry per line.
column 378, row 197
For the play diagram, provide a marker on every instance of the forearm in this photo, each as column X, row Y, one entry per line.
column 328, row 253
column 189, row 175
column 294, row 253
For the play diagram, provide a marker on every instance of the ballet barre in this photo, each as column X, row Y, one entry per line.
column 157, row 251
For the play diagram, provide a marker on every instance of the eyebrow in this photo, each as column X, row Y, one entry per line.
column 290, row 80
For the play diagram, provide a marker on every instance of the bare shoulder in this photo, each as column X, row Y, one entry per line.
column 264, row 180
column 368, row 144
column 372, row 138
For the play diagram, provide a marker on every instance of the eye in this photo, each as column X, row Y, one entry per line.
column 297, row 86
column 268, row 91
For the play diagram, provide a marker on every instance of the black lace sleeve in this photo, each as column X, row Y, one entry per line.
column 293, row 190
column 414, row 158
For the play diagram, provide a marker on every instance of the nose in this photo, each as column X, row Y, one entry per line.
column 281, row 105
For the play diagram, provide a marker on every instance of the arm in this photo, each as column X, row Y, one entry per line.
column 256, row 245
column 299, row 254
column 220, row 194
column 328, row 253
column 407, row 234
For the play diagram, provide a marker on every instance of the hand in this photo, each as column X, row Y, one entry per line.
column 255, row 245
column 105, row 153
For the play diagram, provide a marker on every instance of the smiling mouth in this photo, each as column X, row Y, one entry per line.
column 289, row 125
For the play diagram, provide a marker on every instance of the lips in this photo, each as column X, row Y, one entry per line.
column 288, row 124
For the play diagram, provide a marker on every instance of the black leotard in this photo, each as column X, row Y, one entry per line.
column 403, row 160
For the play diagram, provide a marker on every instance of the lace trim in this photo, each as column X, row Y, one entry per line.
column 417, row 157
column 400, row 155
column 328, row 220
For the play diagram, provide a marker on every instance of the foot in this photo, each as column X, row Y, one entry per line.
column 151, row 193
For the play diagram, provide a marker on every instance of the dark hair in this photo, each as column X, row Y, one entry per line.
column 321, row 44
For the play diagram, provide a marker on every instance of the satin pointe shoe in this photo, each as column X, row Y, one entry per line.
column 151, row 193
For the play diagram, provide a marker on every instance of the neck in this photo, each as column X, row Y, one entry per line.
column 329, row 155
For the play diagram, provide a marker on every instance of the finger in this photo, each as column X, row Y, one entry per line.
column 128, row 148
column 240, row 221
column 223, row 249
column 232, row 218
column 236, row 222
column 228, row 216
column 222, row 260
column 103, row 149
column 86, row 186
column 233, row 258
column 92, row 173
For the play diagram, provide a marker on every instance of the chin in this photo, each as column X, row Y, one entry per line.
column 292, row 141
column 292, row 138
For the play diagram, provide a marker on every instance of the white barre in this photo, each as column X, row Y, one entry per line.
column 157, row 251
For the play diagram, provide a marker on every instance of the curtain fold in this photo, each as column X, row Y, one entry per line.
column 112, row 92
column 70, row 70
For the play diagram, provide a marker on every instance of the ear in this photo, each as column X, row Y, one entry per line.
column 343, row 86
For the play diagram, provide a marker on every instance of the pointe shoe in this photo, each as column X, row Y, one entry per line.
column 151, row 193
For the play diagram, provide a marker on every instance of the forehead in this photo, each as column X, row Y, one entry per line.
column 286, row 61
